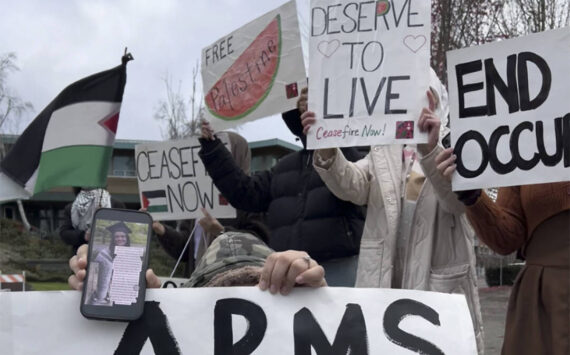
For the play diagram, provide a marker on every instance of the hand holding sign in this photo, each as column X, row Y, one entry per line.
column 303, row 100
column 445, row 161
column 285, row 269
column 429, row 122
column 206, row 129
column 210, row 224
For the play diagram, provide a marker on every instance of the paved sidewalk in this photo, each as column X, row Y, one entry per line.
column 494, row 308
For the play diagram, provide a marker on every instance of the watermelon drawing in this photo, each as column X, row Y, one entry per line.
column 382, row 7
column 248, row 81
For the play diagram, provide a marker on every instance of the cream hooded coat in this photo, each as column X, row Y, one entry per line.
column 440, row 253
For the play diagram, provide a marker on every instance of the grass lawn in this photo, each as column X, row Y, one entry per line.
column 49, row 286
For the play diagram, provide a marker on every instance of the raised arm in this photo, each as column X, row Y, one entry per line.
column 248, row 193
column 430, row 122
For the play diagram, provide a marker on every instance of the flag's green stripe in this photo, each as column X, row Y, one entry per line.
column 158, row 208
column 79, row 165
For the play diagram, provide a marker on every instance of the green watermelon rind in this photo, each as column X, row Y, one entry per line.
column 262, row 98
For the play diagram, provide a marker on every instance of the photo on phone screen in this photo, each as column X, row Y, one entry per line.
column 118, row 257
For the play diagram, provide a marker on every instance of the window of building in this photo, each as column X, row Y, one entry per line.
column 262, row 162
column 9, row 212
column 123, row 165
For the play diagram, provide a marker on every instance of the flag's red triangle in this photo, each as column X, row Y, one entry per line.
column 145, row 201
column 111, row 123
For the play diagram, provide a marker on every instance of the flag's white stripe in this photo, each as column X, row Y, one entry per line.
column 9, row 190
column 157, row 201
column 78, row 124
column 31, row 183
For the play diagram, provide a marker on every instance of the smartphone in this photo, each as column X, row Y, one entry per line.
column 115, row 284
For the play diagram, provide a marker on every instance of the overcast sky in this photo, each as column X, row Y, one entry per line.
column 59, row 42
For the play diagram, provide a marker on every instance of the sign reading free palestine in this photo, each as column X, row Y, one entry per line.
column 255, row 71
column 369, row 71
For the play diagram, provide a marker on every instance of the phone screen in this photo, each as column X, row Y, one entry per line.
column 115, row 285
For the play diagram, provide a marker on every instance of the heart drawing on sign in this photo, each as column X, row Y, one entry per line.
column 382, row 7
column 327, row 48
column 415, row 43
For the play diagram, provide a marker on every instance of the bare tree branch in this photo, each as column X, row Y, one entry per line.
column 12, row 107
column 174, row 110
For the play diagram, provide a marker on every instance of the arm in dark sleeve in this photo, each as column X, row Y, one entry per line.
column 248, row 193
column 68, row 234
column 173, row 240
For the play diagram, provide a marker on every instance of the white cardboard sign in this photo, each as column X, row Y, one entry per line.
column 510, row 112
column 368, row 71
column 173, row 182
column 244, row 320
column 255, row 71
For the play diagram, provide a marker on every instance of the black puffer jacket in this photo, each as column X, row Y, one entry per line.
column 302, row 213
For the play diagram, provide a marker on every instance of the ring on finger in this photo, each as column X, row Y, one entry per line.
column 307, row 258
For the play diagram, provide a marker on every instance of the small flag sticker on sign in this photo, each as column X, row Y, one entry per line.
column 154, row 201
column 404, row 129
column 222, row 200
column 292, row 90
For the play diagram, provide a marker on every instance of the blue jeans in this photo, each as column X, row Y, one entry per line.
column 341, row 272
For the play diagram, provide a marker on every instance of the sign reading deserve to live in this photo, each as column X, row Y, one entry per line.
column 255, row 71
column 244, row 321
column 510, row 111
column 173, row 182
column 368, row 70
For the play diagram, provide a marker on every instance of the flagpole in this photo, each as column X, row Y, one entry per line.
column 23, row 215
column 184, row 250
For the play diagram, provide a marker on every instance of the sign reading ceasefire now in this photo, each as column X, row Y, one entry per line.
column 369, row 71
column 199, row 321
column 510, row 116
column 173, row 182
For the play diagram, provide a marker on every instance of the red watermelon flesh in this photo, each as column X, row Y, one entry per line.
column 382, row 7
column 248, row 81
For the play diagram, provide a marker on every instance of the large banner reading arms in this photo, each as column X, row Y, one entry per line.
column 368, row 71
column 244, row 320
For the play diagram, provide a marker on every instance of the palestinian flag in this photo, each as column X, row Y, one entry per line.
column 154, row 201
column 71, row 141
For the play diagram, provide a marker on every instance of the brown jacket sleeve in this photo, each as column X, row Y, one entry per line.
column 500, row 225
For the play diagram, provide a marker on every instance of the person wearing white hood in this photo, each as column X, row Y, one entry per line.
column 416, row 235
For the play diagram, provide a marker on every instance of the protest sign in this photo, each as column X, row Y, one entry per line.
column 245, row 321
column 255, row 71
column 510, row 113
column 369, row 71
column 173, row 182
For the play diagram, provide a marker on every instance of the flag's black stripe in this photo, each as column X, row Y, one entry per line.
column 154, row 194
column 24, row 157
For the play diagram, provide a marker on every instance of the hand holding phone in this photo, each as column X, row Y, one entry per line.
column 114, row 286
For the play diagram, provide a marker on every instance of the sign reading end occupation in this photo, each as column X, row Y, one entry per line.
column 173, row 182
column 369, row 71
column 255, row 71
column 510, row 113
